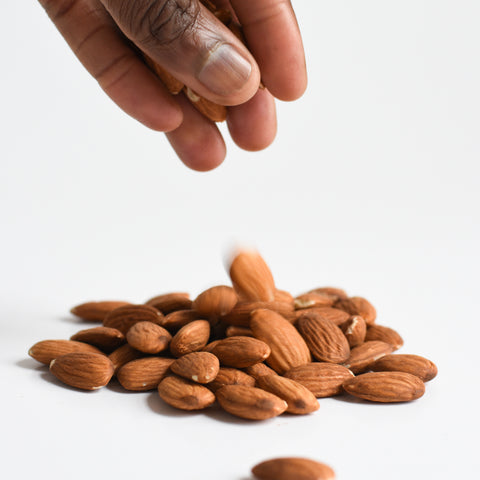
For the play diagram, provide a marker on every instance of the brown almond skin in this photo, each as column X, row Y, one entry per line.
column 105, row 338
column 288, row 348
column 259, row 370
column 335, row 292
column 338, row 317
column 419, row 366
column 123, row 318
column 322, row 379
column 363, row 356
column 312, row 300
column 47, row 350
column 355, row 330
column 200, row 367
column 251, row 277
column 231, row 376
column 148, row 337
column 87, row 371
column 384, row 334
column 385, row 387
column 282, row 296
column 178, row 319
column 249, row 402
column 171, row 302
column 123, row 355
column 185, row 395
column 292, row 468
column 241, row 352
column 358, row 306
column 326, row 341
column 234, row 331
column 240, row 314
column 190, row 338
column 96, row 311
column 300, row 400
column 144, row 374
column 215, row 302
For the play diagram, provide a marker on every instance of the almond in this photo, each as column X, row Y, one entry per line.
column 215, row 302
column 250, row 402
column 259, row 369
column 123, row 355
column 185, row 395
column 178, row 319
column 338, row 317
column 282, row 296
column 240, row 352
column 325, row 340
column 240, row 314
column 170, row 302
column 231, row 376
column 386, row 387
column 288, row 348
column 104, row 338
column 313, row 299
column 292, row 468
column 96, row 311
column 213, row 111
column 234, row 331
column 251, row 277
column 384, row 334
column 88, row 371
column 419, row 366
column 190, row 338
column 173, row 85
column 47, row 350
column 358, row 306
column 148, row 337
column 335, row 292
column 299, row 399
column 355, row 330
column 144, row 374
column 366, row 354
column 123, row 318
column 322, row 379
column 201, row 367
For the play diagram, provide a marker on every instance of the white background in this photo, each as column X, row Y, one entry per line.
column 372, row 185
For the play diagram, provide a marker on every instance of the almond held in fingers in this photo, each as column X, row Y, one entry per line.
column 171, row 302
column 215, row 302
column 105, row 338
column 185, row 395
column 288, row 348
column 123, row 318
column 240, row 352
column 47, row 350
column 322, row 379
column 249, row 402
column 386, row 387
column 292, row 468
column 96, row 311
column 200, row 367
column 355, row 330
column 190, row 338
column 363, row 356
column 384, row 334
column 326, row 341
column 419, row 366
column 213, row 111
column 231, row 376
column 251, row 277
column 358, row 306
column 148, row 337
column 87, row 371
column 144, row 374
column 123, row 355
column 299, row 399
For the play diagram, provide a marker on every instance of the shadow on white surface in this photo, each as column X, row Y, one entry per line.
column 30, row 364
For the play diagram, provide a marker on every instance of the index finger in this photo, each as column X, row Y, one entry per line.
column 273, row 37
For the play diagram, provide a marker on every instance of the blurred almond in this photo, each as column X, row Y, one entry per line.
column 338, row 317
column 47, row 350
column 148, row 337
column 201, row 367
column 96, row 311
column 384, row 334
column 170, row 302
column 334, row 292
column 234, row 331
column 292, row 468
column 282, row 296
column 190, row 338
column 215, row 302
column 144, row 374
column 312, row 300
column 358, row 306
column 123, row 318
column 184, row 394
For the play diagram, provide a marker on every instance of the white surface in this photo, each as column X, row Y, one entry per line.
column 372, row 185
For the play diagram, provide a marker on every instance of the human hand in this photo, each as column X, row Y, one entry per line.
column 187, row 40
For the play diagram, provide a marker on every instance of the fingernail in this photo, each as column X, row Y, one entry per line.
column 225, row 70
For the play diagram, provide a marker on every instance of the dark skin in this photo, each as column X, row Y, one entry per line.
column 186, row 39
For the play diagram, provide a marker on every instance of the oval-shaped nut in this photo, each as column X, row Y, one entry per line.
column 250, row 402
column 282, row 296
column 326, row 341
column 259, row 370
column 148, row 337
column 144, row 374
column 386, row 387
column 240, row 314
column 322, row 379
column 312, row 300
column 178, row 319
column 288, row 348
column 299, row 399
column 185, row 395
column 335, row 292
column 419, row 366
column 231, row 376
column 211, row 110
column 215, row 302
column 171, row 302
column 358, row 306
column 355, row 330
column 235, row 331
column 384, row 334
column 123, row 355
column 123, row 318
column 240, row 352
column 47, row 350
column 96, row 311
column 200, row 367
column 338, row 317
column 104, row 338
column 87, row 371
column 363, row 356
column 292, row 468
column 190, row 338
column 210, row 346
column 251, row 277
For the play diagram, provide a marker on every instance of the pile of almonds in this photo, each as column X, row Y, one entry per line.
column 254, row 349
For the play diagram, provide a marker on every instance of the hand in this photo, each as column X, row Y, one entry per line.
column 187, row 40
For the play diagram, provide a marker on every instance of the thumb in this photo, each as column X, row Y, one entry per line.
column 188, row 41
